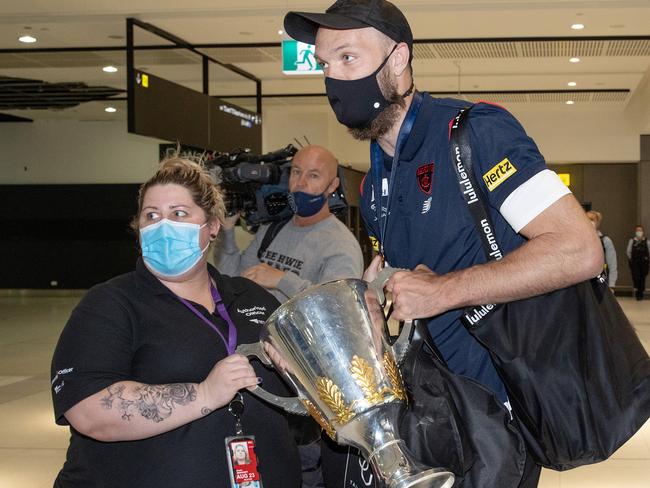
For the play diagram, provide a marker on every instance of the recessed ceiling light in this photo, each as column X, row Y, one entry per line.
column 574, row 60
column 109, row 69
column 572, row 83
column 27, row 39
column 280, row 32
column 569, row 102
column 577, row 26
column 110, row 110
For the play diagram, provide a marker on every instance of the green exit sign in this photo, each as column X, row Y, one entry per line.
column 298, row 58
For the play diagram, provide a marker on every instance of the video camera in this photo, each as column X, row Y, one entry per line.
column 257, row 186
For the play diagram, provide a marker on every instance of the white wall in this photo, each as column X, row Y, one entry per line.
column 585, row 136
column 69, row 151
column 564, row 136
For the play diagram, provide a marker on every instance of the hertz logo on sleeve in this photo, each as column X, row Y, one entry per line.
column 498, row 174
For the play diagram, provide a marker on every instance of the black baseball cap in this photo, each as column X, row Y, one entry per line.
column 351, row 14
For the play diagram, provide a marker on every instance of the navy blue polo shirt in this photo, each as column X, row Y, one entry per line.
column 429, row 222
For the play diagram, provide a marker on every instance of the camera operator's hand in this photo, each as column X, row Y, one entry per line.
column 264, row 275
column 229, row 222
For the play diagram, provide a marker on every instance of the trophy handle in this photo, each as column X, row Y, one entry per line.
column 380, row 280
column 290, row 404
column 403, row 342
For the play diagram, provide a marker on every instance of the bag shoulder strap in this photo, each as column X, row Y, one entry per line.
column 271, row 232
column 461, row 157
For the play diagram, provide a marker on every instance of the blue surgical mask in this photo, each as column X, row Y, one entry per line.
column 304, row 204
column 171, row 248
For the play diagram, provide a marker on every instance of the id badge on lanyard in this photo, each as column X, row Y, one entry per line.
column 243, row 463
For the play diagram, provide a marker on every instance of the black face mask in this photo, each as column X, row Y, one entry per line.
column 357, row 103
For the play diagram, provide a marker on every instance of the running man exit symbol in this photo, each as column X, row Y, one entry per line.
column 298, row 58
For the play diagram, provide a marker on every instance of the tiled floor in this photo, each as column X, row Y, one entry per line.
column 32, row 447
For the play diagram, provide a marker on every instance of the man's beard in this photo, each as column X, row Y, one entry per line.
column 387, row 117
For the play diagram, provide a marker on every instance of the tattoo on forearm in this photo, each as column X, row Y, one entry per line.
column 153, row 402
column 205, row 411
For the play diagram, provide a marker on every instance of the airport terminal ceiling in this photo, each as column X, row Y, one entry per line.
column 516, row 53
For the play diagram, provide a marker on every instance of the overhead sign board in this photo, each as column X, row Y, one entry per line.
column 169, row 111
column 298, row 58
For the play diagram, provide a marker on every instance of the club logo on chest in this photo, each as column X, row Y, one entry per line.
column 424, row 176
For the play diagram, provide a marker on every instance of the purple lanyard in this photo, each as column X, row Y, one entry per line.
column 231, row 343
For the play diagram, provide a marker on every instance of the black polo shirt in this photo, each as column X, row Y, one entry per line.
column 134, row 328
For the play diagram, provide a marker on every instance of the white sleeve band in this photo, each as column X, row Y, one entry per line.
column 531, row 198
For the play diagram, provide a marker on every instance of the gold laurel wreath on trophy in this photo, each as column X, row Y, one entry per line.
column 364, row 376
column 318, row 417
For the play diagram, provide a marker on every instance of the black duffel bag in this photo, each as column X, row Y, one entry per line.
column 577, row 376
column 455, row 422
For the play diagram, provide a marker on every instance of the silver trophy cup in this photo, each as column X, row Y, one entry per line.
column 329, row 343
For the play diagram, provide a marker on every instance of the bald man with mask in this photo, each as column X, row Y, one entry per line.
column 313, row 247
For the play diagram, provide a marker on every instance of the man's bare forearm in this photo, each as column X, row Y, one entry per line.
column 563, row 249
column 537, row 267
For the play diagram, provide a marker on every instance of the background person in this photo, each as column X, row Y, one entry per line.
column 144, row 369
column 638, row 252
column 411, row 200
column 611, row 263
column 312, row 247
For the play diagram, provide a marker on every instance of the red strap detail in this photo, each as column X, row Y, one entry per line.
column 451, row 122
column 363, row 180
column 493, row 104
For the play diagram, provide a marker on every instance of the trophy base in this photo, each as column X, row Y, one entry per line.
column 396, row 467
column 432, row 478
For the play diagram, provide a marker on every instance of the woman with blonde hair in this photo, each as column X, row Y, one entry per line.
column 611, row 263
column 145, row 371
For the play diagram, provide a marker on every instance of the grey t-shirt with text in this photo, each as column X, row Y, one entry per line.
column 309, row 255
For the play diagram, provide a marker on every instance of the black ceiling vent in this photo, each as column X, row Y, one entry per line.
column 23, row 93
